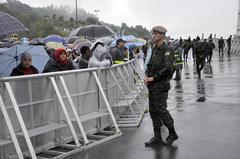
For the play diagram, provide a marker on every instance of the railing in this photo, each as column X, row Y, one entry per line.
column 72, row 109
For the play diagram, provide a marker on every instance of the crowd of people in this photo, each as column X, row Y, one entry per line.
column 202, row 51
column 62, row 59
column 101, row 56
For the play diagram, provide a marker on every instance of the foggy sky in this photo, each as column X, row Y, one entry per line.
column 180, row 17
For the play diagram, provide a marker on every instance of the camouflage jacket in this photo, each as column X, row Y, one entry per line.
column 200, row 51
column 161, row 67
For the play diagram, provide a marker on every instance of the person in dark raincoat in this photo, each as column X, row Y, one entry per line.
column 186, row 46
column 210, row 48
column 200, row 57
column 117, row 52
column 84, row 59
column 229, row 43
column 60, row 62
column 221, row 45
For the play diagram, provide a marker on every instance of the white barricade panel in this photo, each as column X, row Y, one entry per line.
column 83, row 90
column 71, row 109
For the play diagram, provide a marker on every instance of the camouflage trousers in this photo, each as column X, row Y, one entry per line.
column 158, row 109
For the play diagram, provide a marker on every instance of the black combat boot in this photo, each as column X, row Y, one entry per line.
column 172, row 136
column 157, row 139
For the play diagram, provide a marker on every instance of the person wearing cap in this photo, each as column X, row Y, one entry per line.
column 157, row 78
column 25, row 67
column 118, row 51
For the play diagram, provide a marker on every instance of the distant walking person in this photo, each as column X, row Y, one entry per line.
column 186, row 46
column 221, row 45
column 178, row 60
column 229, row 43
column 194, row 43
column 158, row 74
column 200, row 57
column 210, row 48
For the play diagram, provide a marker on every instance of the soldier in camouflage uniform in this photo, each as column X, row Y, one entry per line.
column 210, row 48
column 158, row 74
column 178, row 60
column 200, row 57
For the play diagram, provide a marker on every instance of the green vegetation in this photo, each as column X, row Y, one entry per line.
column 59, row 20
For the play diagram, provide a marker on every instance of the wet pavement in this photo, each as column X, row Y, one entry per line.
column 206, row 113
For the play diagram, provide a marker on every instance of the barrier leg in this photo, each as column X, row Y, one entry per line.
column 20, row 119
column 10, row 128
column 122, row 92
column 106, row 101
column 65, row 111
column 74, row 110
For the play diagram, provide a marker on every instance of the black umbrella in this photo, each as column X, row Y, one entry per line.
column 9, row 24
column 71, row 39
column 92, row 31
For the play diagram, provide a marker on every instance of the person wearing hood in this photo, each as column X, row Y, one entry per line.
column 25, row 67
column 60, row 62
column 99, row 57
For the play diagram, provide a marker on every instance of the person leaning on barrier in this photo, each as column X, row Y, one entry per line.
column 25, row 67
column 59, row 63
column 118, row 52
column 84, row 59
column 158, row 74
column 100, row 56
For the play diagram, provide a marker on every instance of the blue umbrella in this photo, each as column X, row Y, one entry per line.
column 134, row 44
column 131, row 41
column 54, row 38
column 10, row 58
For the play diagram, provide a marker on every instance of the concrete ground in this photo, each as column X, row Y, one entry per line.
column 206, row 113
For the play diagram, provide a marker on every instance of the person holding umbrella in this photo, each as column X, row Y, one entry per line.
column 25, row 67
column 60, row 62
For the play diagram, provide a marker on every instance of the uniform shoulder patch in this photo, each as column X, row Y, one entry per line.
column 167, row 53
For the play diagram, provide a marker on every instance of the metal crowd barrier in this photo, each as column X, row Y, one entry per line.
column 55, row 115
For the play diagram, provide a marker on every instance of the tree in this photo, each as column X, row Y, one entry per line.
column 61, row 19
column 91, row 20
column 71, row 23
